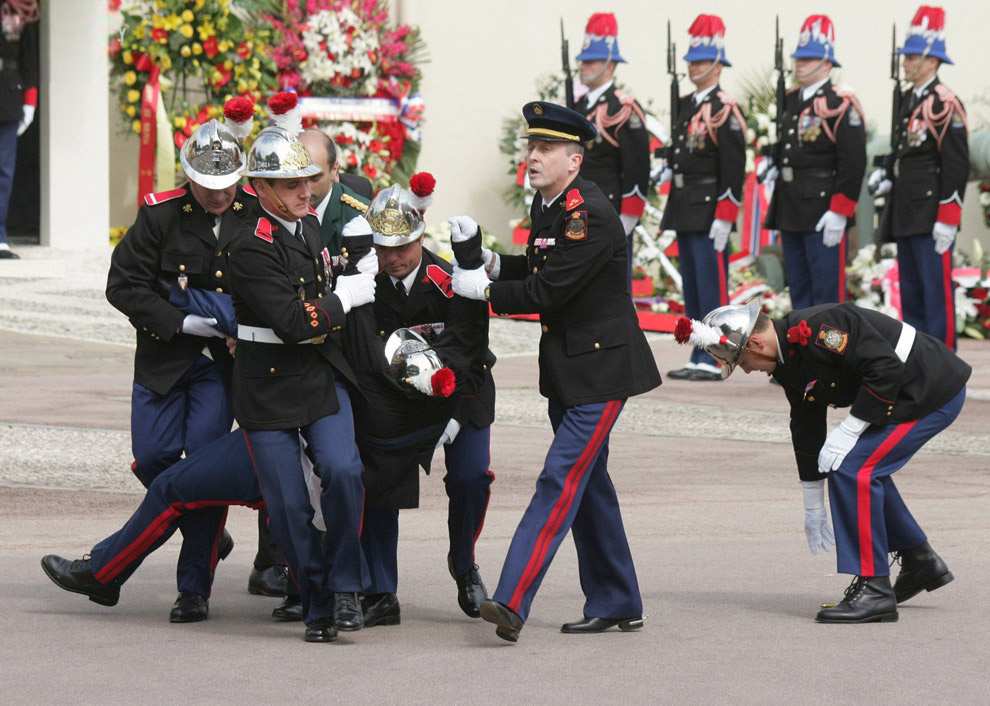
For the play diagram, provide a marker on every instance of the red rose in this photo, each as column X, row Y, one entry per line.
column 224, row 76
column 180, row 140
column 159, row 35
column 675, row 307
column 422, row 184
column 375, row 145
column 114, row 47
column 142, row 62
column 238, row 109
column 355, row 73
column 243, row 51
column 351, row 160
column 980, row 293
column 282, row 102
column 370, row 171
column 211, row 47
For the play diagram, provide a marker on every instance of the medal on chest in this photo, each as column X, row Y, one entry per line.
column 917, row 132
column 809, row 127
column 696, row 134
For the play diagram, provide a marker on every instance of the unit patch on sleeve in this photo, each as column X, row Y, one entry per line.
column 577, row 226
column 832, row 338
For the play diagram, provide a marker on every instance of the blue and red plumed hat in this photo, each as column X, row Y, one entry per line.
column 601, row 39
column 927, row 34
column 817, row 40
column 707, row 40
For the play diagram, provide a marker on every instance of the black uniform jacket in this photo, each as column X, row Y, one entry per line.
column 172, row 237
column 280, row 282
column 930, row 165
column 18, row 71
column 847, row 359
column 821, row 158
column 574, row 276
column 618, row 161
column 708, row 169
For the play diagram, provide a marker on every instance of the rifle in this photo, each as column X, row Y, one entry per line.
column 895, row 103
column 675, row 90
column 565, row 61
column 778, row 65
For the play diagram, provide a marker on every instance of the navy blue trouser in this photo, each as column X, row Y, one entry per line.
column 215, row 476
column 928, row 300
column 574, row 491
column 704, row 280
column 338, row 565
column 816, row 274
column 188, row 417
column 468, row 485
column 869, row 516
column 8, row 160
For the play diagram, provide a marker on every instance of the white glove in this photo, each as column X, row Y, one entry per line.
column 492, row 266
column 878, row 183
column 356, row 226
column 462, row 228
column 816, row 526
column 767, row 171
column 833, row 226
column 628, row 223
column 26, row 120
column 368, row 264
column 720, row 234
column 199, row 326
column 450, row 433
column 666, row 175
column 944, row 236
column 471, row 284
column 839, row 443
column 355, row 290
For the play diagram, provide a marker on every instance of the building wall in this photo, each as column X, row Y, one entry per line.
column 484, row 59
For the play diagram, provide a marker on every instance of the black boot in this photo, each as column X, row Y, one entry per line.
column 921, row 570
column 869, row 599
column 77, row 576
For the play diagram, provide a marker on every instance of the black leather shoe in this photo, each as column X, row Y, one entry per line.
column 77, row 576
column 869, row 599
column 471, row 589
column 289, row 610
column 321, row 630
column 189, row 608
column 226, row 545
column 381, row 609
column 269, row 582
column 347, row 614
column 698, row 375
column 587, row 624
column 6, row 254
column 921, row 570
column 508, row 623
column 682, row 374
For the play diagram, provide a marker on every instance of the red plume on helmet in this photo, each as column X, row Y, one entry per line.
column 285, row 111
column 697, row 333
column 443, row 382
column 238, row 114
column 422, row 185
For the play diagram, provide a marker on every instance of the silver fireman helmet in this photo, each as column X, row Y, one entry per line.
column 212, row 157
column 735, row 323
column 394, row 219
column 277, row 154
column 414, row 363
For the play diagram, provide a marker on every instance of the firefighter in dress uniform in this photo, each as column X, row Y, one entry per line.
column 817, row 165
column 593, row 356
column 618, row 161
column 924, row 181
column 903, row 387
column 706, row 171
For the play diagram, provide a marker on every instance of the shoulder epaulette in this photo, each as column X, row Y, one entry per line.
column 264, row 230
column 573, row 200
column 249, row 190
column 354, row 203
column 624, row 98
column 163, row 196
column 441, row 279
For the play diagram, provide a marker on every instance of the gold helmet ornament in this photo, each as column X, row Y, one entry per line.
column 212, row 156
column 277, row 154
column 394, row 217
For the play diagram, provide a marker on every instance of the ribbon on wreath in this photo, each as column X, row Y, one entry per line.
column 411, row 106
column 150, row 99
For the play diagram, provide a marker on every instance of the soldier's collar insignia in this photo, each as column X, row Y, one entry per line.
column 187, row 208
column 573, row 199
column 441, row 279
column 264, row 230
column 237, row 206
column 832, row 339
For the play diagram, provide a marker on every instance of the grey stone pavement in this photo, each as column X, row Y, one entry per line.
column 710, row 501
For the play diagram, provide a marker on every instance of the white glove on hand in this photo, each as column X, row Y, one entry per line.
column 833, row 226
column 450, row 433
column 462, row 228
column 356, row 226
column 628, row 223
column 665, row 175
column 26, row 120
column 492, row 266
column 878, row 183
column 471, row 284
column 816, row 526
column 720, row 233
column 355, row 290
column 200, row 326
column 944, row 236
column 368, row 264
column 839, row 443
column 766, row 171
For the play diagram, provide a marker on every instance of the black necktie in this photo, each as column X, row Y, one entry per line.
column 299, row 230
column 401, row 289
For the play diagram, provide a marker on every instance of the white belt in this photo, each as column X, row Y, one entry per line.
column 905, row 341
column 266, row 335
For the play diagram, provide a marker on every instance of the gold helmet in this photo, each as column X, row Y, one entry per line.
column 394, row 218
column 277, row 154
column 212, row 157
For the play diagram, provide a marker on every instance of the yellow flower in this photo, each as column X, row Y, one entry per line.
column 196, row 63
column 136, row 126
column 186, row 31
column 171, row 22
column 130, row 78
column 131, row 111
column 224, row 45
column 185, row 50
column 133, row 96
column 206, row 30
column 128, row 57
column 188, row 16
column 197, row 48
column 253, row 85
column 165, row 62
column 140, row 32
column 228, row 64
column 179, row 122
column 199, row 5
column 241, row 87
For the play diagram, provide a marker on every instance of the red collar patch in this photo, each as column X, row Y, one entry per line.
column 573, row 199
column 313, row 212
column 441, row 279
column 249, row 190
column 163, row 196
column 264, row 229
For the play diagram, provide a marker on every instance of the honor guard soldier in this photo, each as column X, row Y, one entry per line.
column 593, row 356
column 818, row 165
column 182, row 368
column 291, row 379
column 413, row 291
column 18, row 96
column 924, row 180
column 618, row 161
column 706, row 170
column 903, row 387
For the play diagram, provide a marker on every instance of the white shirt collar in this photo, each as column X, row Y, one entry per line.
column 594, row 95
column 410, row 279
column 547, row 204
column 288, row 225
column 809, row 91
column 921, row 89
column 700, row 95
column 322, row 207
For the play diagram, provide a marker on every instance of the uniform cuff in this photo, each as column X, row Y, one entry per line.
column 726, row 210
column 632, row 206
column 31, row 97
column 949, row 213
column 843, row 205
column 871, row 408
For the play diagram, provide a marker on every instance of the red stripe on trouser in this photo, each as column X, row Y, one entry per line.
column 842, row 267
column 215, row 551
column 863, row 499
column 950, row 308
column 563, row 504
column 723, row 289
